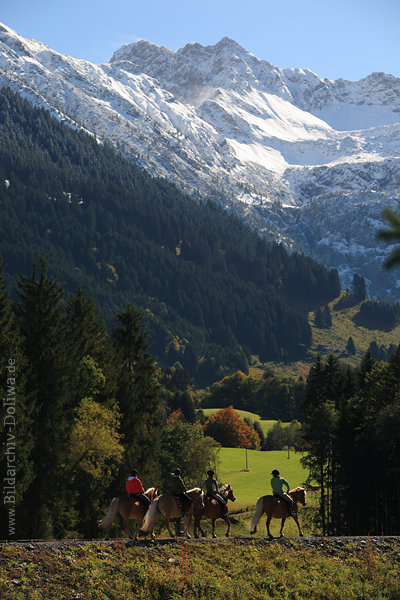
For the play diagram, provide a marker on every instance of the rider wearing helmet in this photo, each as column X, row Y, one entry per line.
column 135, row 489
column 178, row 489
column 277, row 483
column 211, row 488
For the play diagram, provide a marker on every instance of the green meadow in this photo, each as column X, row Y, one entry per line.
column 248, row 485
column 249, row 474
column 254, row 482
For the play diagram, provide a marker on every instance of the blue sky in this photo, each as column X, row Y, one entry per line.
column 333, row 38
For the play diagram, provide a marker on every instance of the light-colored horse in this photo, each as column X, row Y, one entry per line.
column 213, row 510
column 168, row 507
column 129, row 509
column 273, row 507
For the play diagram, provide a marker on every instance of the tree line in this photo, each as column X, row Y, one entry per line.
column 269, row 396
column 352, row 435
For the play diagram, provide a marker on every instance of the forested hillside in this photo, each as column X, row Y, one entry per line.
column 213, row 291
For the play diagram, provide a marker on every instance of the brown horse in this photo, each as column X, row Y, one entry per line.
column 213, row 510
column 168, row 507
column 129, row 509
column 273, row 507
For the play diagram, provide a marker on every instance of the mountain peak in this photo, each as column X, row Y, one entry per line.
column 227, row 42
column 139, row 51
column 225, row 45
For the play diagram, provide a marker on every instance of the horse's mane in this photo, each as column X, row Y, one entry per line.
column 223, row 488
column 298, row 489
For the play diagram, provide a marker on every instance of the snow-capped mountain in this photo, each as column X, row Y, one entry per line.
column 308, row 161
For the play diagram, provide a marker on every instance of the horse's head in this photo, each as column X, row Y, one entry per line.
column 152, row 494
column 197, row 496
column 299, row 495
column 227, row 492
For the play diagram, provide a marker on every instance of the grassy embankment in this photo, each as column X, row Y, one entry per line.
column 230, row 570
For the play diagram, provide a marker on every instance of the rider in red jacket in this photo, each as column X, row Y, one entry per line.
column 135, row 489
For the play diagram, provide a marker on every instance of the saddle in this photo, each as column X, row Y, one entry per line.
column 282, row 502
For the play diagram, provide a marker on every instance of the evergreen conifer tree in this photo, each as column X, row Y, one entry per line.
column 49, row 371
column 90, row 340
column 16, row 438
column 359, row 290
column 319, row 319
column 137, row 393
column 327, row 317
column 350, row 346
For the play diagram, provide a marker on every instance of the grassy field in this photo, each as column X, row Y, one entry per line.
column 233, row 570
column 265, row 424
column 249, row 485
column 255, row 482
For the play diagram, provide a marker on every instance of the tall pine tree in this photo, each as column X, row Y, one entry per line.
column 50, row 372
column 16, row 421
column 137, row 394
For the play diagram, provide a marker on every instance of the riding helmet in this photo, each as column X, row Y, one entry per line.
column 275, row 472
column 210, row 472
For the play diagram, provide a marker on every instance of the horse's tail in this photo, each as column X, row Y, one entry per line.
column 112, row 513
column 257, row 515
column 151, row 517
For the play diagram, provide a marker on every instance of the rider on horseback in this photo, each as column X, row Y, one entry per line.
column 211, row 488
column 277, row 483
column 178, row 489
column 135, row 489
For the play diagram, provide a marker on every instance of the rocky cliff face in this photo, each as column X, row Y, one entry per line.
column 304, row 160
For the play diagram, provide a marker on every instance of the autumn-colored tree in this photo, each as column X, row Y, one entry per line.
column 231, row 431
column 95, row 439
column 95, row 451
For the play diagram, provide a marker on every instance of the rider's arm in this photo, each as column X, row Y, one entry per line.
column 140, row 486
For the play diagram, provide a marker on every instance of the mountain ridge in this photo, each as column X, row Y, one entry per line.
column 273, row 145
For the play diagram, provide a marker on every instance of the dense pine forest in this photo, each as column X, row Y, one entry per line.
column 351, row 426
column 213, row 291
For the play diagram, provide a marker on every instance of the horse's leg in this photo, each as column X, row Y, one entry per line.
column 298, row 525
column 228, row 521
column 139, row 525
column 213, row 528
column 125, row 526
column 268, row 522
column 282, row 524
column 186, row 520
column 197, row 528
column 168, row 527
